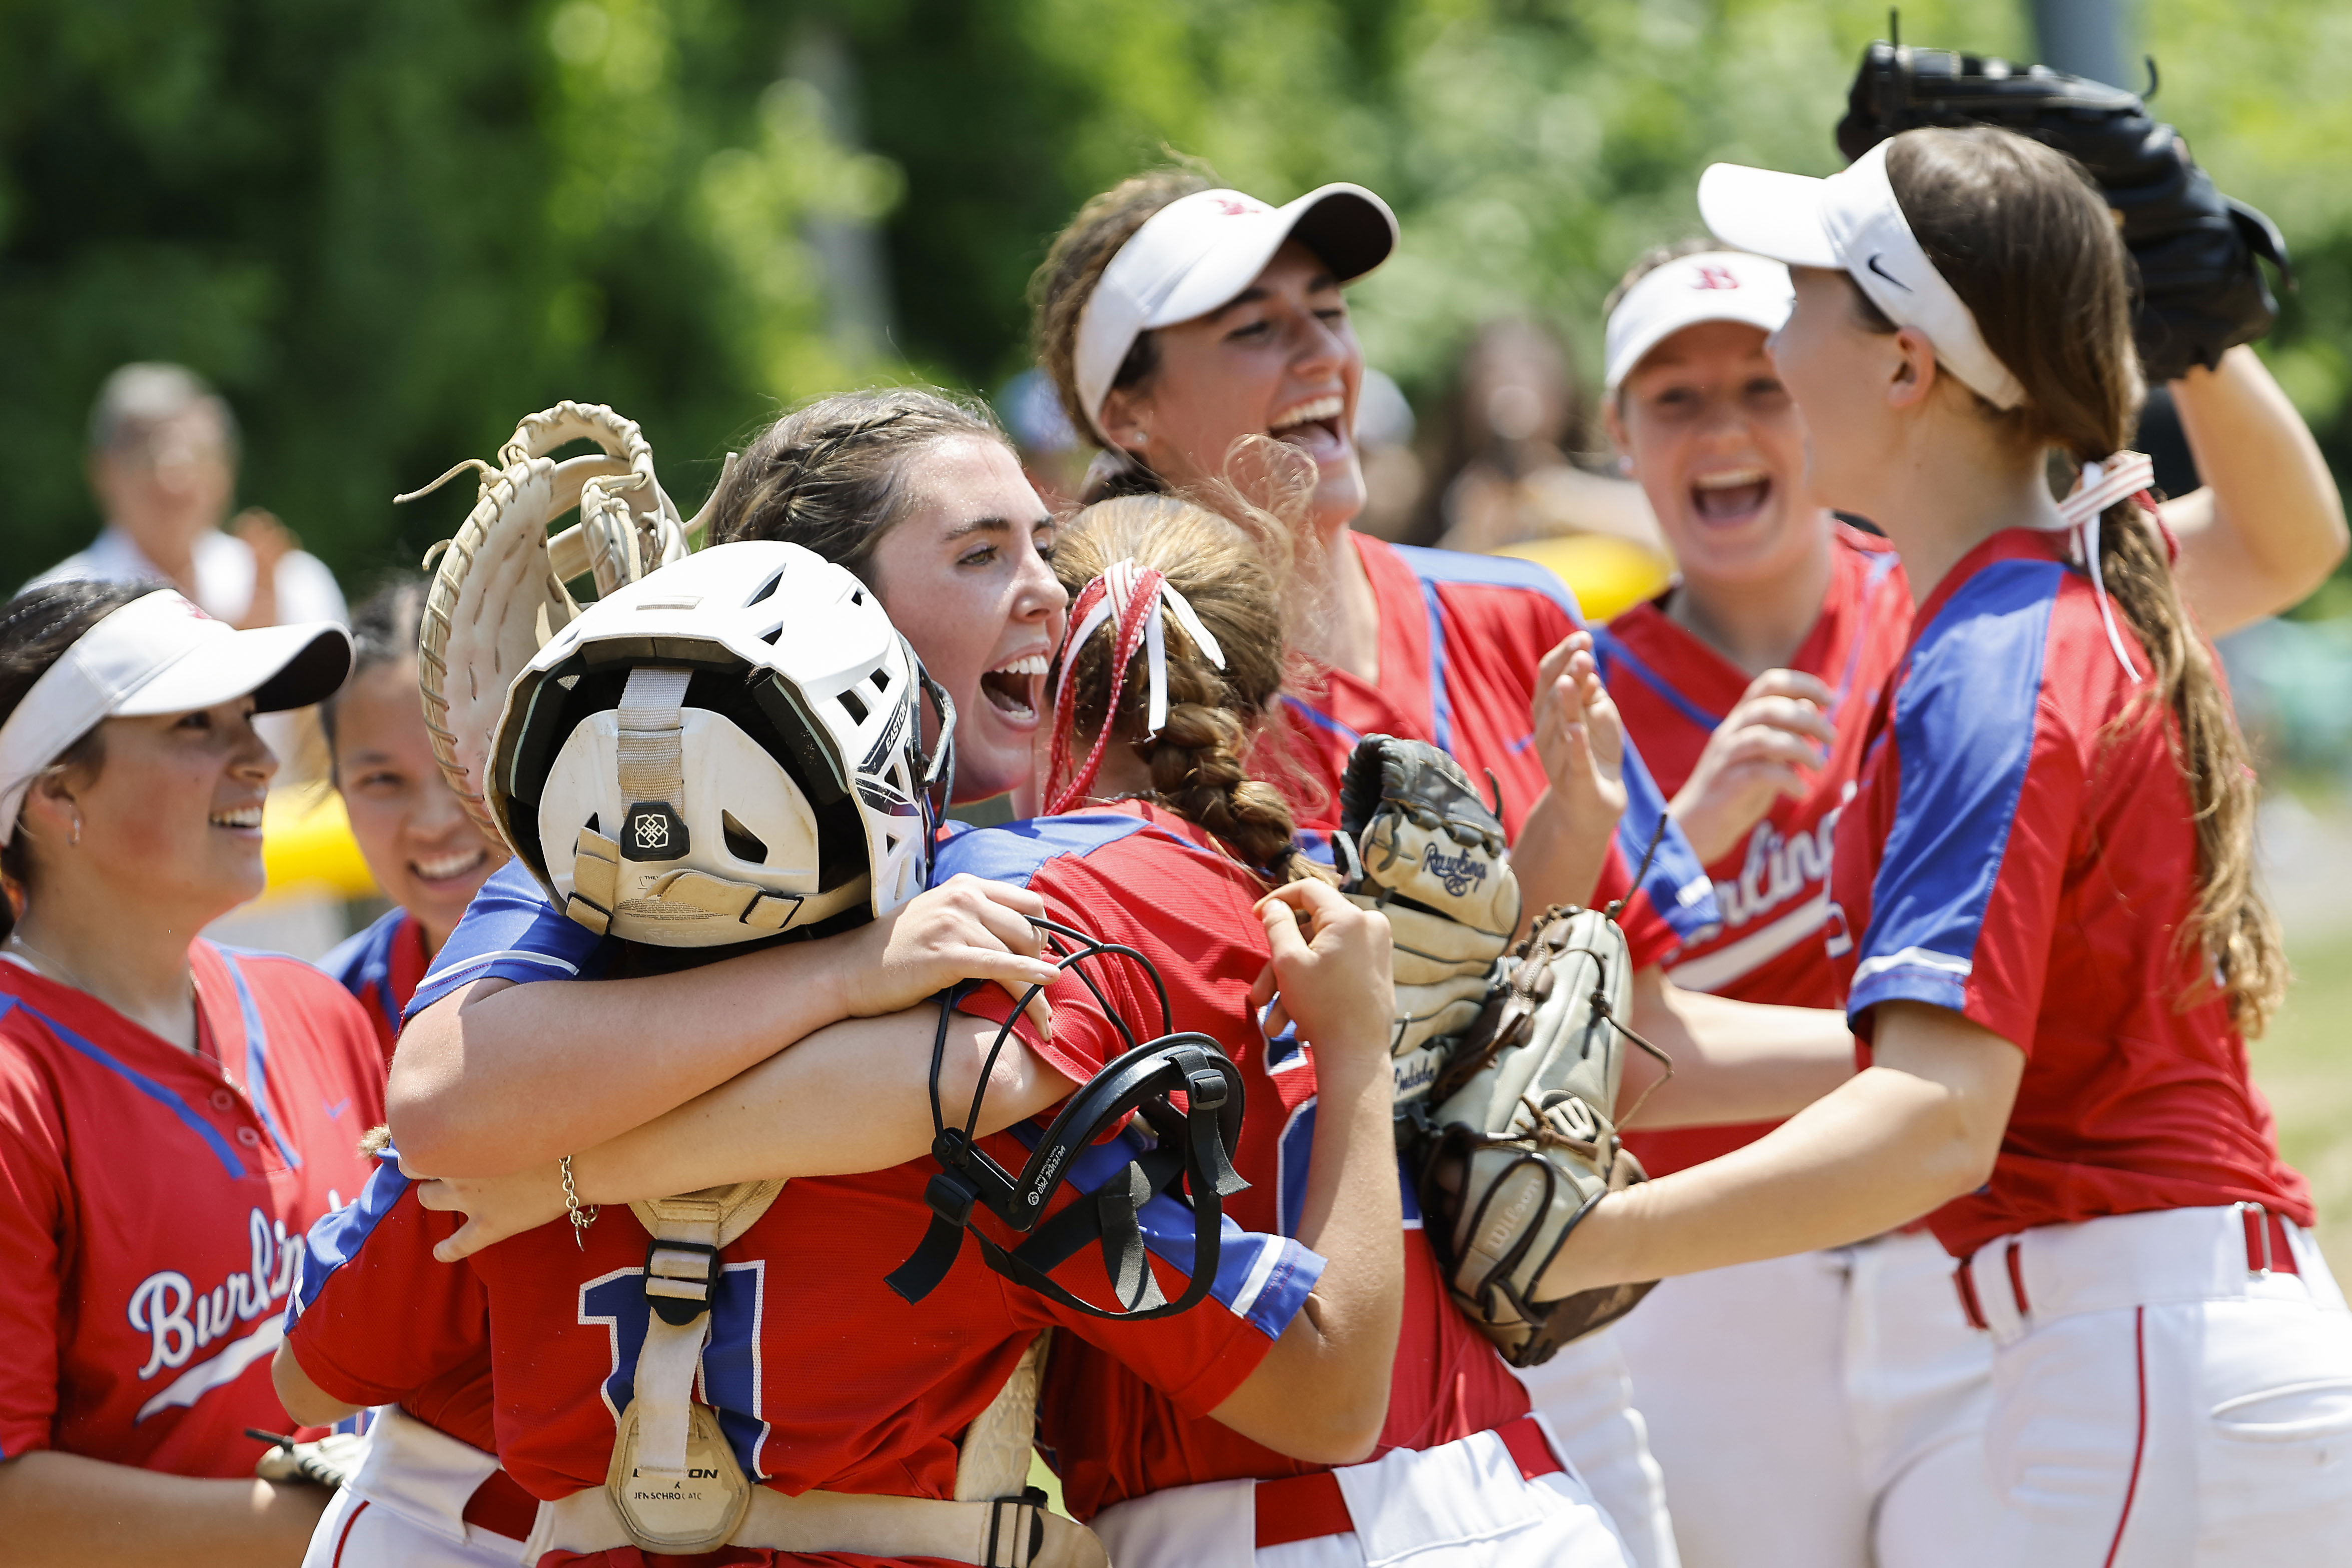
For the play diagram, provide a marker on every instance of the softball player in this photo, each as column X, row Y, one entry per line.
column 1169, row 839
column 172, row 1116
column 566, row 1328
column 920, row 494
column 1177, row 321
column 1729, row 683
column 432, row 1490
column 2170, row 1357
column 426, row 854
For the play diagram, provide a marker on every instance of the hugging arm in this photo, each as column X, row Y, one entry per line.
column 499, row 1077
column 1917, row 1129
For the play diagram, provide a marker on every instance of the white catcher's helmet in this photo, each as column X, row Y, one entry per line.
column 727, row 748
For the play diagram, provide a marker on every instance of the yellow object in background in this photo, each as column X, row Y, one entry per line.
column 307, row 845
column 1607, row 573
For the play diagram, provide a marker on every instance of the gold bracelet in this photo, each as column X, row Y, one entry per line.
column 582, row 1217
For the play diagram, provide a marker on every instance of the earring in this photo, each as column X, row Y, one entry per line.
column 1625, row 465
column 73, row 834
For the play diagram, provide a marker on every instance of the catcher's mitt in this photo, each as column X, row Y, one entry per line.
column 1429, row 856
column 498, row 591
column 1521, row 1139
column 2201, row 289
column 328, row 1462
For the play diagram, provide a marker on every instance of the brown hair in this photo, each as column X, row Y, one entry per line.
column 36, row 627
column 1197, row 760
column 2024, row 238
column 383, row 631
column 831, row 475
column 1066, row 281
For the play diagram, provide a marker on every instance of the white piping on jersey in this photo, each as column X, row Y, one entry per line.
column 1913, row 958
column 224, row 1368
column 1260, row 1273
column 527, row 956
column 1713, row 971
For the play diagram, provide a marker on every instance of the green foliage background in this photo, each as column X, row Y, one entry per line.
column 387, row 228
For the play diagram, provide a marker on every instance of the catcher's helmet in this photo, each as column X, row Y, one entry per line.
column 727, row 747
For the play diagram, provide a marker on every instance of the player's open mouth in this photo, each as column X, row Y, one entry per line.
column 241, row 819
column 1012, row 688
column 1313, row 426
column 449, row 868
column 1732, row 496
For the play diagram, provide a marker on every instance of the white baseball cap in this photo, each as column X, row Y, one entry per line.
column 1853, row 223
column 1710, row 286
column 160, row 654
column 1198, row 251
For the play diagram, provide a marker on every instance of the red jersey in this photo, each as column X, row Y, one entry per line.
column 1461, row 636
column 1772, row 887
column 1143, row 876
column 381, row 966
column 821, row 1377
column 2021, row 850
column 153, row 1201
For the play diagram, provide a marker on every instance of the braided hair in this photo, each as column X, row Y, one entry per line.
column 831, row 475
column 1200, row 760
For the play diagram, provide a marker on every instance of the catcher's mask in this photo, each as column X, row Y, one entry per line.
column 1190, row 1160
column 727, row 747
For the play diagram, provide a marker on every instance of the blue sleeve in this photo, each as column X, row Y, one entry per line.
column 1963, row 894
column 511, row 932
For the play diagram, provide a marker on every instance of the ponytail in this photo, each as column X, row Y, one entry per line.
column 2024, row 238
column 1199, row 759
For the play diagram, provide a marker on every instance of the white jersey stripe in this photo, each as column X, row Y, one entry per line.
column 1713, row 971
column 224, row 1368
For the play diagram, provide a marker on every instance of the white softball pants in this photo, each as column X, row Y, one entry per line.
column 1587, row 1397
column 1461, row 1505
column 2157, row 1402
column 1820, row 1411
column 406, row 1505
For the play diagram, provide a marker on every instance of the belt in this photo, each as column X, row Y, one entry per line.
column 2269, row 1251
column 500, row 1506
column 1301, row 1507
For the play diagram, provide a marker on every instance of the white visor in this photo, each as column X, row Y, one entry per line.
column 1851, row 222
column 160, row 654
column 1198, row 251
column 1712, row 286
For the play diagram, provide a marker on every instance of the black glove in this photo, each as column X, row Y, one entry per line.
column 2200, row 291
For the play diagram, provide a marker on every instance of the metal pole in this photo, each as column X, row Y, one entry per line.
column 2084, row 37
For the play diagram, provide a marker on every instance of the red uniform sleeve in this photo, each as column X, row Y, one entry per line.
column 35, row 1211
column 374, row 1314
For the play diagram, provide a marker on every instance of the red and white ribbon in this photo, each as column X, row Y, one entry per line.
column 1130, row 599
column 2097, row 488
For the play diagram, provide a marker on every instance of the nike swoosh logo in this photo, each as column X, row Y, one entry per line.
column 1874, row 266
column 338, row 1108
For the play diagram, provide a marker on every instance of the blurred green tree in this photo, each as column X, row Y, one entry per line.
column 387, row 228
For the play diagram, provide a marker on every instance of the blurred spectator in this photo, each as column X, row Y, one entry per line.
column 163, row 464
column 1051, row 453
column 1394, row 476
column 1505, row 472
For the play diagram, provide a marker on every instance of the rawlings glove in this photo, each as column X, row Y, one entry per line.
column 330, row 1462
column 1431, row 858
column 2200, row 290
column 1522, row 1139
